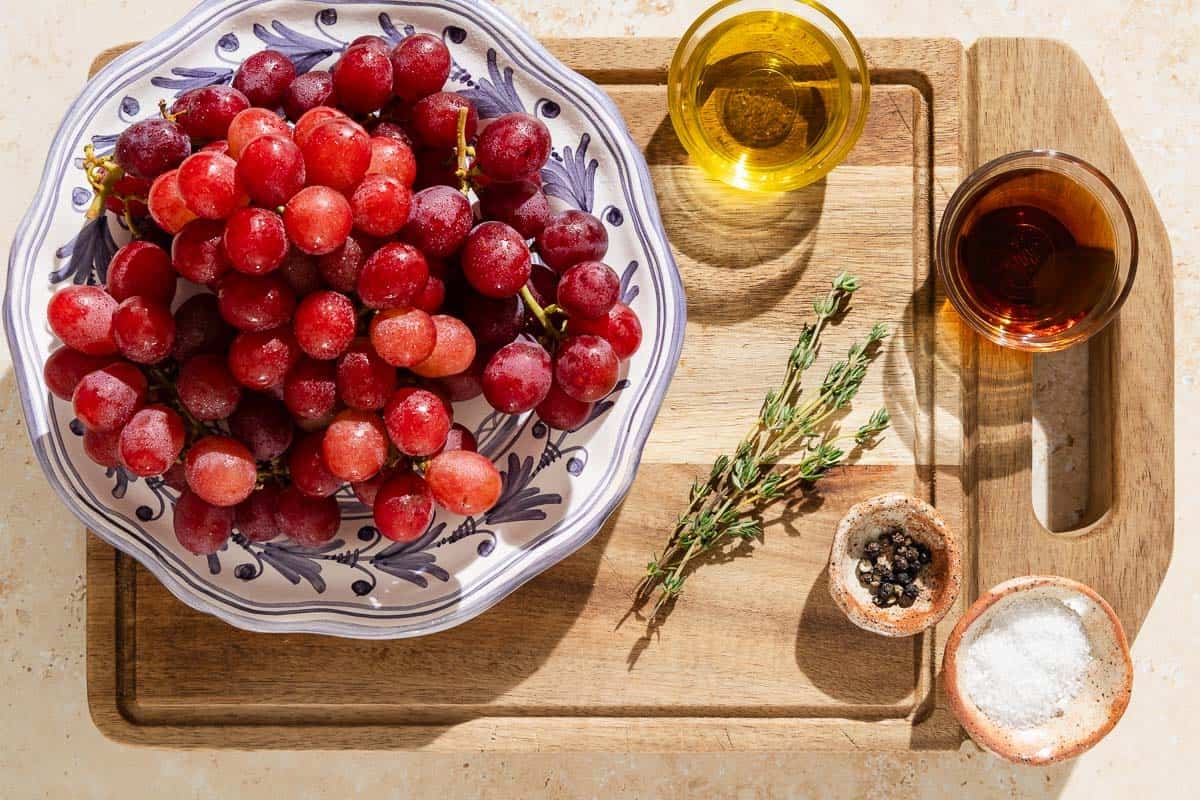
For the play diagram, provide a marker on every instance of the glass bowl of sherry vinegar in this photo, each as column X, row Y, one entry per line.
column 768, row 95
column 1037, row 250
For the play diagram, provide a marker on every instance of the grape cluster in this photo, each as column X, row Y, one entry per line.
column 342, row 293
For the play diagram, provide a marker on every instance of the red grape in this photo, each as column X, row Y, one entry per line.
column 586, row 367
column 392, row 276
column 588, row 290
column 362, row 78
column 394, row 158
column 572, row 237
column 255, row 303
column 494, row 321
column 365, row 381
column 310, row 390
column 436, row 167
column 355, row 445
column 420, row 66
column 205, row 113
column 463, row 482
column 367, row 490
column 324, row 324
column 150, row 147
column 336, row 154
column 308, row 521
column 301, row 273
column 264, row 78
column 543, row 285
column 391, row 129
column 199, row 328
column 219, row 146
column 431, row 296
column 560, row 410
column 513, row 147
column 65, row 368
column 151, row 441
column 82, row 316
column 435, row 119
column 452, row 352
column 175, row 477
column 256, row 515
column 380, row 205
column 209, row 186
column 439, row 221
column 466, row 385
column 308, row 91
column 403, row 336
column 341, row 267
column 318, row 220
column 459, row 438
column 198, row 251
column 496, row 260
column 263, row 424
column 220, row 470
column 517, row 377
column 271, row 170
column 313, row 119
column 144, row 330
column 620, row 327
column 166, row 205
column 129, row 195
column 370, row 40
column 201, row 527
column 255, row 240
column 417, row 421
column 141, row 268
column 403, row 507
column 252, row 123
column 522, row 205
column 103, row 447
column 310, row 474
column 207, row 388
column 261, row 359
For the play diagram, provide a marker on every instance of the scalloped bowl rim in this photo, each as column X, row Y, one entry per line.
column 521, row 569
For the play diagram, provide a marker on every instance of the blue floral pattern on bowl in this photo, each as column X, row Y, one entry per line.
column 557, row 487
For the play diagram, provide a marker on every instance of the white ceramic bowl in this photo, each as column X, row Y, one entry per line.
column 558, row 488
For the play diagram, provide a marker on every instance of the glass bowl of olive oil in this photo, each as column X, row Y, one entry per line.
column 768, row 95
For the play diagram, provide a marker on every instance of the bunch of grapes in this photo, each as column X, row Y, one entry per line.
column 342, row 293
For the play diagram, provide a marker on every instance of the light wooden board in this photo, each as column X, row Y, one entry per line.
column 756, row 656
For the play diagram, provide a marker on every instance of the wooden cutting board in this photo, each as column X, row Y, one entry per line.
column 756, row 656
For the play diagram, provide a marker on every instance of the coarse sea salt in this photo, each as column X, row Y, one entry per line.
column 1027, row 663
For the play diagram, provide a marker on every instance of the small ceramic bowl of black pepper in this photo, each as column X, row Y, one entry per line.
column 895, row 567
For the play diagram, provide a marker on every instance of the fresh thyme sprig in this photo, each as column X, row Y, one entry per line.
column 723, row 509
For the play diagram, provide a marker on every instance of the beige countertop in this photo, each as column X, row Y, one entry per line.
column 1143, row 55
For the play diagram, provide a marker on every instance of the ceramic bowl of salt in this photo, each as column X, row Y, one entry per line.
column 1038, row 669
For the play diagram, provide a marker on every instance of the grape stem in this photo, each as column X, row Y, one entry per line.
column 464, row 153
column 102, row 175
column 542, row 314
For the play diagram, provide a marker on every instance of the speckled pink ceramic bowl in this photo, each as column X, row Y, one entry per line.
column 1089, row 716
column 865, row 522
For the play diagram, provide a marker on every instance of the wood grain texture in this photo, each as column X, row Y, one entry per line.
column 757, row 657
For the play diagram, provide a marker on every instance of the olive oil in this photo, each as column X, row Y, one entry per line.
column 763, row 101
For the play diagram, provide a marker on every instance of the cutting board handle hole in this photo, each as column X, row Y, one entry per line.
column 1072, row 437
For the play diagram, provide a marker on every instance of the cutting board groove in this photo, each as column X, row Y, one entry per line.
column 756, row 657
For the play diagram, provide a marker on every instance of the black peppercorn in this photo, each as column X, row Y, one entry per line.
column 872, row 550
column 903, row 577
column 886, row 589
column 900, row 564
column 912, row 590
column 887, row 575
